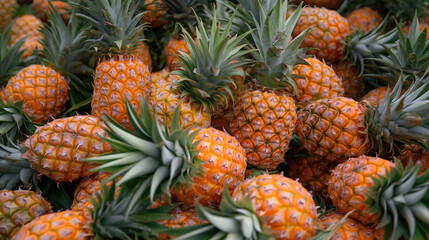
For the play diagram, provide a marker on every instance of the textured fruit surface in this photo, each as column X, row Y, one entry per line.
column 375, row 96
column 164, row 100
column 318, row 81
column 312, row 172
column 116, row 80
column 350, row 229
column 330, row 4
column 350, row 182
column 7, row 7
column 353, row 84
column 43, row 90
column 328, row 35
column 154, row 14
column 263, row 123
column 364, row 19
column 333, row 128
column 285, row 207
column 19, row 207
column 25, row 26
column 67, row 225
column 30, row 44
column 174, row 47
column 42, row 7
column 58, row 148
column 181, row 216
column 414, row 154
column 223, row 162
column 142, row 53
column 87, row 188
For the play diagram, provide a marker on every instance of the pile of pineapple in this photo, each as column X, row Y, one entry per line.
column 214, row 119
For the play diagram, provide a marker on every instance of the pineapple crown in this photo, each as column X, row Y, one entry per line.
column 111, row 220
column 401, row 198
column 234, row 220
column 410, row 55
column 401, row 118
column 15, row 171
column 364, row 46
column 63, row 51
column 276, row 53
column 181, row 14
column 213, row 61
column 14, row 123
column 116, row 27
column 154, row 158
column 10, row 56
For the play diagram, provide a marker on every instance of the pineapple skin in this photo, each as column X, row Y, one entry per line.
column 350, row 229
column 287, row 209
column 58, row 148
column 319, row 81
column 349, row 182
column 66, row 225
column 43, row 90
column 19, row 207
column 174, row 47
column 263, row 123
column 6, row 11
column 115, row 80
column 330, row 31
column 223, row 161
column 364, row 19
column 334, row 129
column 353, row 84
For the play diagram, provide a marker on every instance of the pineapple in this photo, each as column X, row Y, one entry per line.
column 329, row 32
column 7, row 8
column 142, row 53
column 375, row 96
column 43, row 90
column 287, row 210
column 340, row 128
column 378, row 192
column 58, row 148
column 42, row 7
column 193, row 164
column 108, row 220
column 316, row 81
column 119, row 74
column 154, row 13
column 350, row 229
column 364, row 19
column 19, row 207
column 353, row 83
column 86, row 189
column 265, row 115
column 27, row 26
column 329, row 4
column 413, row 154
column 205, row 77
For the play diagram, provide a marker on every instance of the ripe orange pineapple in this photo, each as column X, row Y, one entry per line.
column 265, row 115
column 58, row 148
column 350, row 229
column 353, row 83
column 364, row 19
column 377, row 95
column 173, row 48
column 154, row 13
column 19, row 207
column 42, row 7
column 330, row 4
column 371, row 187
column 120, row 74
column 340, row 128
column 86, row 189
column 43, row 90
column 413, row 154
column 329, row 33
column 287, row 210
column 7, row 8
column 26, row 26
column 67, row 225
column 318, row 81
column 193, row 164
column 142, row 53
column 223, row 160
